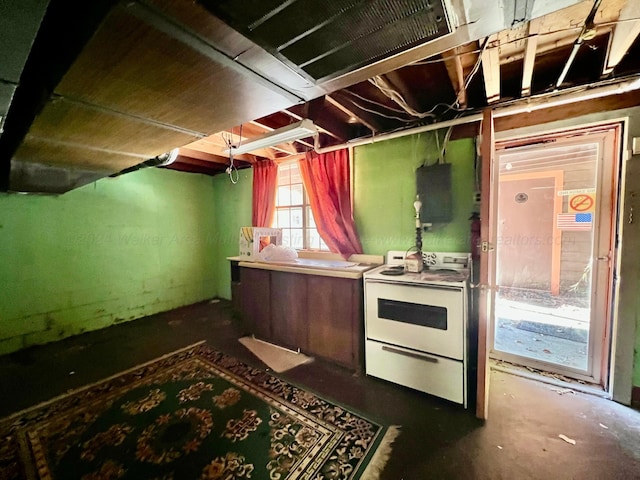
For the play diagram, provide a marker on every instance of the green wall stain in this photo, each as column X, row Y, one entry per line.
column 233, row 210
column 119, row 249
column 385, row 189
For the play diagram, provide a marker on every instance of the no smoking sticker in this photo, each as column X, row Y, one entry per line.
column 582, row 202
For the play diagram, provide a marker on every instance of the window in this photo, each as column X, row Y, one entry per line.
column 293, row 212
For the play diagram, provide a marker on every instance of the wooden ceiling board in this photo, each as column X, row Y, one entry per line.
column 68, row 122
column 45, row 152
column 131, row 67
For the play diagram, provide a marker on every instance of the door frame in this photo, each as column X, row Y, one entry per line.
column 614, row 203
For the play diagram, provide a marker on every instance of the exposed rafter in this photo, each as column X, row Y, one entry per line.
column 350, row 111
column 455, row 69
column 491, row 69
column 623, row 35
column 530, row 56
column 322, row 118
column 200, row 154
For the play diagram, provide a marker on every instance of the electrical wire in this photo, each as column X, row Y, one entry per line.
column 397, row 110
column 232, row 170
column 397, row 97
column 392, row 117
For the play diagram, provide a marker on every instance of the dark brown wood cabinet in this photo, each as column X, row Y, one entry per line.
column 289, row 310
column 320, row 315
column 336, row 328
column 255, row 301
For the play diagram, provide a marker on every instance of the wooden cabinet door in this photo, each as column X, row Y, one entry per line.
column 289, row 317
column 254, row 302
column 335, row 321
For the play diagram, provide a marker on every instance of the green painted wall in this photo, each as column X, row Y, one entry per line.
column 385, row 189
column 233, row 210
column 109, row 252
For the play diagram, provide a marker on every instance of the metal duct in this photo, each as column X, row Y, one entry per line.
column 324, row 40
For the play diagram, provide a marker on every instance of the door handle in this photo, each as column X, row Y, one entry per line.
column 418, row 356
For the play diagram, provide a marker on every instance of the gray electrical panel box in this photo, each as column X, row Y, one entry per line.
column 433, row 185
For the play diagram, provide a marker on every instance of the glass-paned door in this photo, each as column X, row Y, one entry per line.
column 554, row 251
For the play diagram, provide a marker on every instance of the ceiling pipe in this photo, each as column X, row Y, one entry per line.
column 531, row 104
column 587, row 33
column 403, row 133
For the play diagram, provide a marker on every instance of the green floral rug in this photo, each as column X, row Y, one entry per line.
column 192, row 414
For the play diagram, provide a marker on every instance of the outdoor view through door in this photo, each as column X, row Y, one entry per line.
column 555, row 205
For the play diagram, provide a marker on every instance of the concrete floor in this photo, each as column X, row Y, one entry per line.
column 439, row 440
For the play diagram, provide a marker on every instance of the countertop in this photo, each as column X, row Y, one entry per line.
column 327, row 265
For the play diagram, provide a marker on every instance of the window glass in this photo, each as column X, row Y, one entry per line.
column 293, row 213
column 284, row 196
column 297, row 194
column 282, row 218
column 296, row 217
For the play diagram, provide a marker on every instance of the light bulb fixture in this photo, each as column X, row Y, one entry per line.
column 167, row 158
column 417, row 205
column 295, row 131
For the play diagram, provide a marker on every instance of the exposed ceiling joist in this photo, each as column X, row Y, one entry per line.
column 203, row 155
column 530, row 56
column 461, row 90
column 459, row 62
column 623, row 35
column 491, row 69
column 316, row 111
column 293, row 113
column 351, row 113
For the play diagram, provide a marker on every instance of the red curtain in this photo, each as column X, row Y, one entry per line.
column 327, row 181
column 265, row 182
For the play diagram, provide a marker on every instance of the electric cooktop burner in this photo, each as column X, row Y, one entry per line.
column 399, row 270
column 442, row 268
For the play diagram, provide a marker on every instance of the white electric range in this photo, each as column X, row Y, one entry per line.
column 416, row 324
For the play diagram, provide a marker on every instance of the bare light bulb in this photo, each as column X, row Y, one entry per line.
column 417, row 205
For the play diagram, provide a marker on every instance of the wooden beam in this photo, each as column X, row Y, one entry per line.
column 211, row 165
column 485, row 292
column 530, row 56
column 351, row 113
column 202, row 155
column 623, row 35
column 316, row 111
column 455, row 69
column 398, row 80
column 215, row 145
column 491, row 70
column 461, row 91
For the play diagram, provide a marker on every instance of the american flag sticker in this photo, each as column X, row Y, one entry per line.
column 574, row 221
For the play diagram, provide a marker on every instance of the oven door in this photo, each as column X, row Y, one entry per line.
column 428, row 318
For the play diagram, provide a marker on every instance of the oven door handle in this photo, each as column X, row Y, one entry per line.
column 418, row 356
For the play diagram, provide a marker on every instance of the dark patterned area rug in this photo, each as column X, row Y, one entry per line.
column 193, row 414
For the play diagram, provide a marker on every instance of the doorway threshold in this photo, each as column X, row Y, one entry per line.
column 555, row 379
